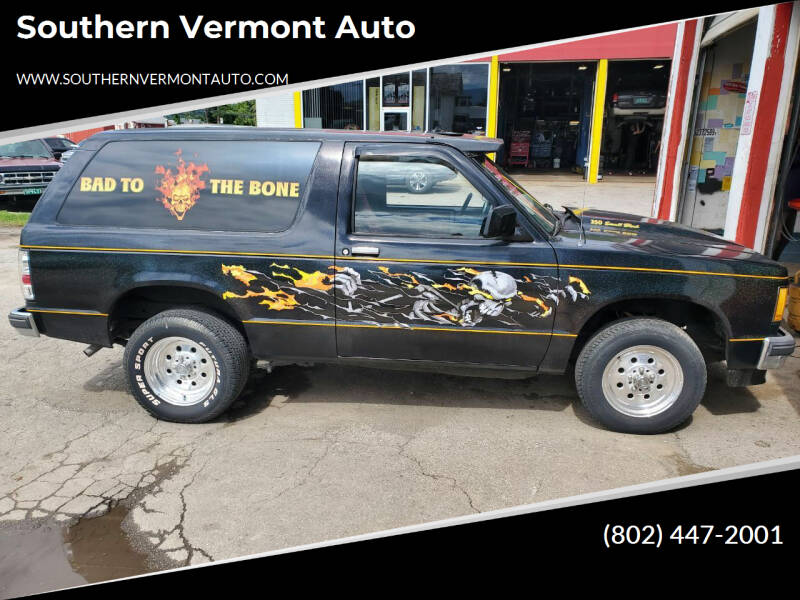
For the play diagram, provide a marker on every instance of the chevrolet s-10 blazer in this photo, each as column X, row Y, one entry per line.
column 205, row 250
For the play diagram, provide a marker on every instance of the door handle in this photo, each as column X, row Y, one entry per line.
column 366, row 251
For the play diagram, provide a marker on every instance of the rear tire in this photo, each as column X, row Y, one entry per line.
column 640, row 375
column 186, row 366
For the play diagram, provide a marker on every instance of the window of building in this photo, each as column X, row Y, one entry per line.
column 416, row 196
column 458, row 98
column 206, row 185
column 338, row 106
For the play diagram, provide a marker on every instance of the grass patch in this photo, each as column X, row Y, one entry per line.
column 14, row 218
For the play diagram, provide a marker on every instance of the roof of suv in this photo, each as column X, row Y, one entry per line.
column 462, row 142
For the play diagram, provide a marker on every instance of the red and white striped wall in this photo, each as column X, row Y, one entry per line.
column 759, row 149
column 676, row 119
column 775, row 55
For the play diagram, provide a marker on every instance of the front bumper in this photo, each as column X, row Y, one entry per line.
column 774, row 350
column 23, row 322
column 23, row 190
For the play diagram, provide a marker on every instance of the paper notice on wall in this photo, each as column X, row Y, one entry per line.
column 374, row 108
column 418, row 109
column 748, row 116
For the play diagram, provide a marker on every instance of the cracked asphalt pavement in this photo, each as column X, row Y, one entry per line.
column 321, row 452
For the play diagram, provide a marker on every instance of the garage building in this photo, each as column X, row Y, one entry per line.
column 707, row 107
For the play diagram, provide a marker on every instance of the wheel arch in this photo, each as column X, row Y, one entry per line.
column 146, row 298
column 706, row 324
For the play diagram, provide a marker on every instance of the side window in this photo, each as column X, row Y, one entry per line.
column 207, row 185
column 416, row 196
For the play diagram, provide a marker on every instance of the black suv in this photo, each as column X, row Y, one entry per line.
column 203, row 250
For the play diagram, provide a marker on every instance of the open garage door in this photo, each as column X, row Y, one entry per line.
column 545, row 114
column 634, row 118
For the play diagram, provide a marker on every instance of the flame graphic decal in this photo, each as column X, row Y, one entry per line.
column 581, row 285
column 273, row 299
column 277, row 299
column 546, row 310
column 315, row 281
column 239, row 272
column 181, row 189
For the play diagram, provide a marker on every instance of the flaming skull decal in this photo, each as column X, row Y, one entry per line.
column 462, row 297
column 181, row 189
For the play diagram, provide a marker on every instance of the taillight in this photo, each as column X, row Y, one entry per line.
column 25, row 274
column 614, row 98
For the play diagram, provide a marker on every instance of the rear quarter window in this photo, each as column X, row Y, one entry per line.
column 206, row 185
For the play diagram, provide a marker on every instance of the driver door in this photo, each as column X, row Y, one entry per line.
column 414, row 278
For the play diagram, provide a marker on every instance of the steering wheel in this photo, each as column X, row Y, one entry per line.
column 466, row 203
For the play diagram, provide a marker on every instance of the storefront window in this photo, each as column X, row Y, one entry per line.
column 334, row 107
column 458, row 95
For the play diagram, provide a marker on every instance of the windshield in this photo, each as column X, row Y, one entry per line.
column 543, row 216
column 29, row 149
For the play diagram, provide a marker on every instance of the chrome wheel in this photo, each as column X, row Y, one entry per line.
column 418, row 181
column 179, row 371
column 642, row 381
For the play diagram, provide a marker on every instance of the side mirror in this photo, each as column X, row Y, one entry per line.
column 500, row 222
column 57, row 155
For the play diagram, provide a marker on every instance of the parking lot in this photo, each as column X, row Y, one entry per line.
column 92, row 487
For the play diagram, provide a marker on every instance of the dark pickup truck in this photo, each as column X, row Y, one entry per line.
column 26, row 169
column 204, row 250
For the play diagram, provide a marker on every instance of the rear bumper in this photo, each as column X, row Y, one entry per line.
column 23, row 322
column 640, row 111
column 774, row 350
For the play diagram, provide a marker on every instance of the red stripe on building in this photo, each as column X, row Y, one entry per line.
column 647, row 42
column 676, row 124
column 764, row 126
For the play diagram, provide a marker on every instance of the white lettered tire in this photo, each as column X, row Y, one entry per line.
column 186, row 365
column 640, row 375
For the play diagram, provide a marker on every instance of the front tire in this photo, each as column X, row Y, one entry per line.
column 640, row 375
column 186, row 365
